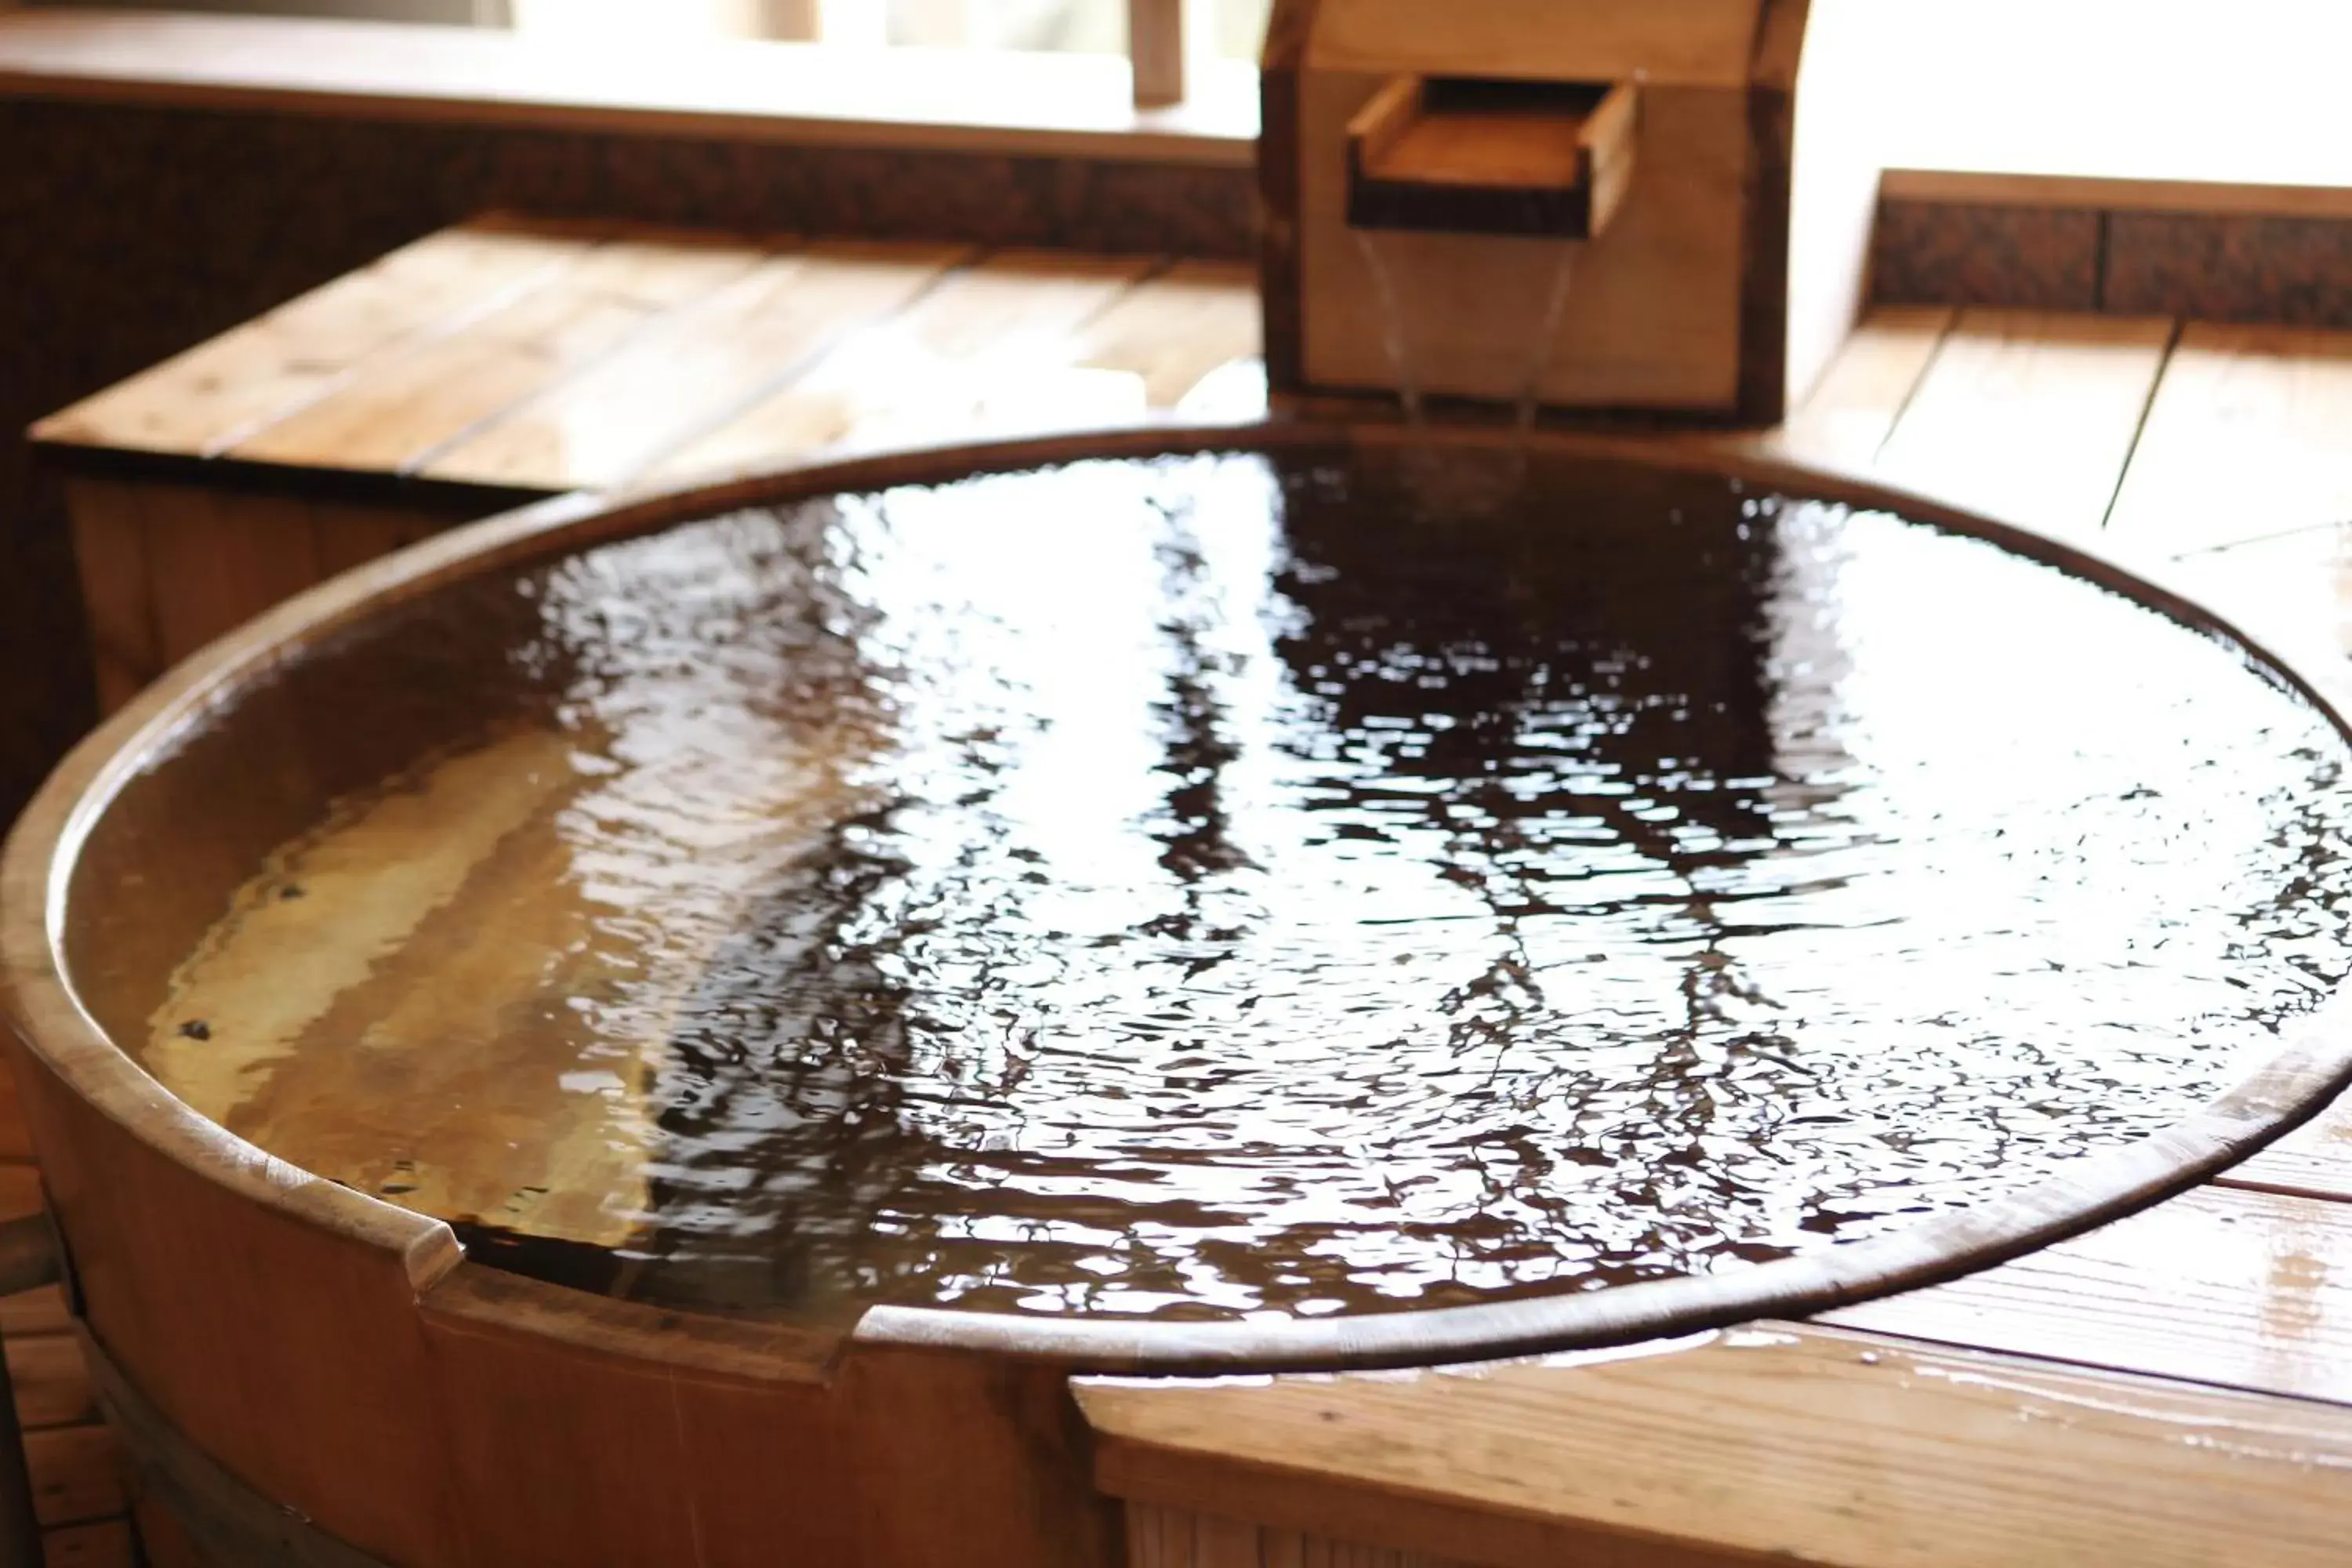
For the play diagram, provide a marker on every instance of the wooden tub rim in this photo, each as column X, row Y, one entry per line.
column 51, row 1023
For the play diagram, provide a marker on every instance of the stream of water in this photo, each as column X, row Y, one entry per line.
column 1396, row 298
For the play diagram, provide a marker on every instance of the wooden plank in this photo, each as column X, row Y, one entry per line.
column 117, row 593
column 1848, row 418
column 52, row 1386
column 165, row 568
column 76, row 1474
column 2294, row 589
column 107, row 1546
column 41, row 1311
column 395, row 413
column 344, row 535
column 163, row 1541
column 20, row 1189
column 1177, row 1538
column 698, row 366
column 217, row 558
column 1176, row 330
column 15, row 1138
column 2313, row 1160
column 2247, row 1289
column 993, row 349
column 2028, row 416
column 1815, row 1445
column 319, row 1404
column 1155, row 50
column 215, row 395
column 1281, row 170
column 2245, row 439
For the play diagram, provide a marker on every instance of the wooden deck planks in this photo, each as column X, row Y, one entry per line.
column 2250, row 1290
column 207, row 400
column 76, row 1475
column 1180, row 1538
column 395, row 418
column 74, row 1462
column 2314, row 1161
column 166, row 567
column 603, row 426
column 2249, row 436
column 1172, row 332
column 109, row 1544
column 52, row 1386
column 2026, row 416
column 1815, row 1445
column 1846, row 422
column 996, row 348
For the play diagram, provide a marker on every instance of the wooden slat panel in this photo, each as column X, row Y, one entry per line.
column 1177, row 1538
column 15, row 1138
column 52, row 1384
column 993, row 349
column 20, row 1189
column 2028, row 416
column 2250, row 435
column 41, row 1311
column 1175, row 330
column 694, row 369
column 2246, row 1288
column 2315, row 1160
column 217, row 393
column 321, row 1403
column 1813, row 1445
column 393, row 416
column 107, row 1546
column 76, row 1474
column 164, row 1542
column 1851, row 413
column 343, row 535
column 218, row 558
column 2293, row 589
column 116, row 594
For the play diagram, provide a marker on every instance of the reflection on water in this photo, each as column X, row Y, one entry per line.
column 1235, row 885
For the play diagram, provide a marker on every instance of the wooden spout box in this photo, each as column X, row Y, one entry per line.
column 1727, row 277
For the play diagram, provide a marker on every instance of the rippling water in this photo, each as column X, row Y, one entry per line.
column 1233, row 885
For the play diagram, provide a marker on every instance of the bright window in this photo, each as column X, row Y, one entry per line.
column 1214, row 29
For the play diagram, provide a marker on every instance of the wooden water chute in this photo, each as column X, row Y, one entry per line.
column 1422, row 169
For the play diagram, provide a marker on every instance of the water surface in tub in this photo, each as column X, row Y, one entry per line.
column 1298, row 884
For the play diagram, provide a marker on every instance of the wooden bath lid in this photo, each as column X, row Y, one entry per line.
column 35, row 884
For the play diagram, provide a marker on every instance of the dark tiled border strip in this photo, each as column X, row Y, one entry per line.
column 2235, row 267
column 1949, row 253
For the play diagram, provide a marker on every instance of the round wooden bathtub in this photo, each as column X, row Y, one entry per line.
column 282, row 1348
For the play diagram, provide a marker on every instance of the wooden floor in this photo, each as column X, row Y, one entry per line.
column 78, row 1493
column 2148, row 1393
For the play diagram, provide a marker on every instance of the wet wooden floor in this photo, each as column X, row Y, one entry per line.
column 2174, row 1388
